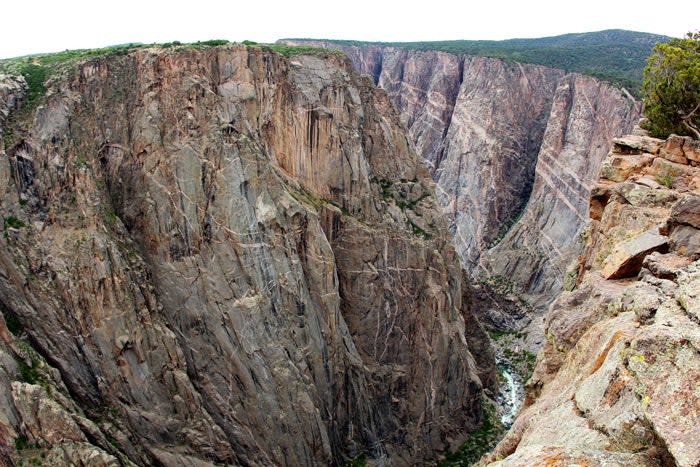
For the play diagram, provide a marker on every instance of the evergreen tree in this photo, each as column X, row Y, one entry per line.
column 671, row 88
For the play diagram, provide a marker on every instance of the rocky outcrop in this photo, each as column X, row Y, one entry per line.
column 514, row 149
column 12, row 90
column 219, row 255
column 616, row 381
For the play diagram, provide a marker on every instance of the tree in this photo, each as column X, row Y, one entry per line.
column 671, row 88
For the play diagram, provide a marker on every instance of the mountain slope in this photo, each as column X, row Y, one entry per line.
column 514, row 149
column 221, row 255
column 613, row 55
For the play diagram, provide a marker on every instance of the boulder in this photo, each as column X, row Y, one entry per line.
column 684, row 226
column 619, row 167
column 636, row 144
column 665, row 266
column 687, row 211
column 691, row 150
column 627, row 257
column 673, row 150
column 685, row 240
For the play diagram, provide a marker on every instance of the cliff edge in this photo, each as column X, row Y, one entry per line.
column 222, row 255
column 616, row 382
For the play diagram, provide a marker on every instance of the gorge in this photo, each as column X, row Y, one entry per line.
column 244, row 254
column 513, row 148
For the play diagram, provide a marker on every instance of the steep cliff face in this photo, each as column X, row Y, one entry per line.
column 513, row 149
column 222, row 255
column 616, row 382
column 584, row 118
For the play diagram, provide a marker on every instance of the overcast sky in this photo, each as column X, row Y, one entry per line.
column 45, row 26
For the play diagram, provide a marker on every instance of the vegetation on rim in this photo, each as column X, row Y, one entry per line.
column 671, row 88
column 615, row 55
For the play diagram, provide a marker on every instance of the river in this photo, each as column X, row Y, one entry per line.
column 510, row 393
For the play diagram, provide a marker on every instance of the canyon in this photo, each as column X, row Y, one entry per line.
column 222, row 255
column 514, row 150
column 249, row 255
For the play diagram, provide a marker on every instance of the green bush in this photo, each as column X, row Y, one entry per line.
column 478, row 442
column 13, row 222
column 291, row 50
column 35, row 75
column 214, row 42
column 665, row 179
column 671, row 88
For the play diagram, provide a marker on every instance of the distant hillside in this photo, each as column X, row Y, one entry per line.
column 614, row 55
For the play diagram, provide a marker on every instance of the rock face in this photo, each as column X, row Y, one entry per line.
column 12, row 90
column 219, row 255
column 616, row 382
column 513, row 148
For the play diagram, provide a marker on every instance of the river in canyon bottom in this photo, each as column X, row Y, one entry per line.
column 510, row 393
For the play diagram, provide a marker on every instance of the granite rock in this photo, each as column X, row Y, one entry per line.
column 226, row 257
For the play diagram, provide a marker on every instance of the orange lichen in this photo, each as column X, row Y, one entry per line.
column 604, row 354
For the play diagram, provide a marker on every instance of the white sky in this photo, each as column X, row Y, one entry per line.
column 45, row 26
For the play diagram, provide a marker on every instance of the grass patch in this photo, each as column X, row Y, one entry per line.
column 190, row 45
column 39, row 67
column 499, row 284
column 12, row 323
column 665, row 179
column 417, row 230
column 291, row 50
column 13, row 222
column 497, row 334
column 477, row 443
column 359, row 461
column 505, row 228
column 523, row 362
column 29, row 363
column 81, row 162
column 22, row 443
column 35, row 75
column 385, row 185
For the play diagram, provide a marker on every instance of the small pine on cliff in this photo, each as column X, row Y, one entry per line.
column 671, row 88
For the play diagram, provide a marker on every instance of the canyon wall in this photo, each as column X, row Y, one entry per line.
column 513, row 148
column 221, row 255
column 616, row 381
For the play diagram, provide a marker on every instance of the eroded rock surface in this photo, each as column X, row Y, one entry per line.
column 219, row 255
column 616, row 381
column 514, row 150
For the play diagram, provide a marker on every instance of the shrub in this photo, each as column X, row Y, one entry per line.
column 665, row 179
column 13, row 222
column 671, row 88
column 214, row 42
column 35, row 75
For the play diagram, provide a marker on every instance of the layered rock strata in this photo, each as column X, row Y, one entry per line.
column 513, row 148
column 616, row 382
column 220, row 255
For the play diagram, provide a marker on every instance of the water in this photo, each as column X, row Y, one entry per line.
column 510, row 393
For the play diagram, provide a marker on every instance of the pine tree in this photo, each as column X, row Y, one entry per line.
column 671, row 88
